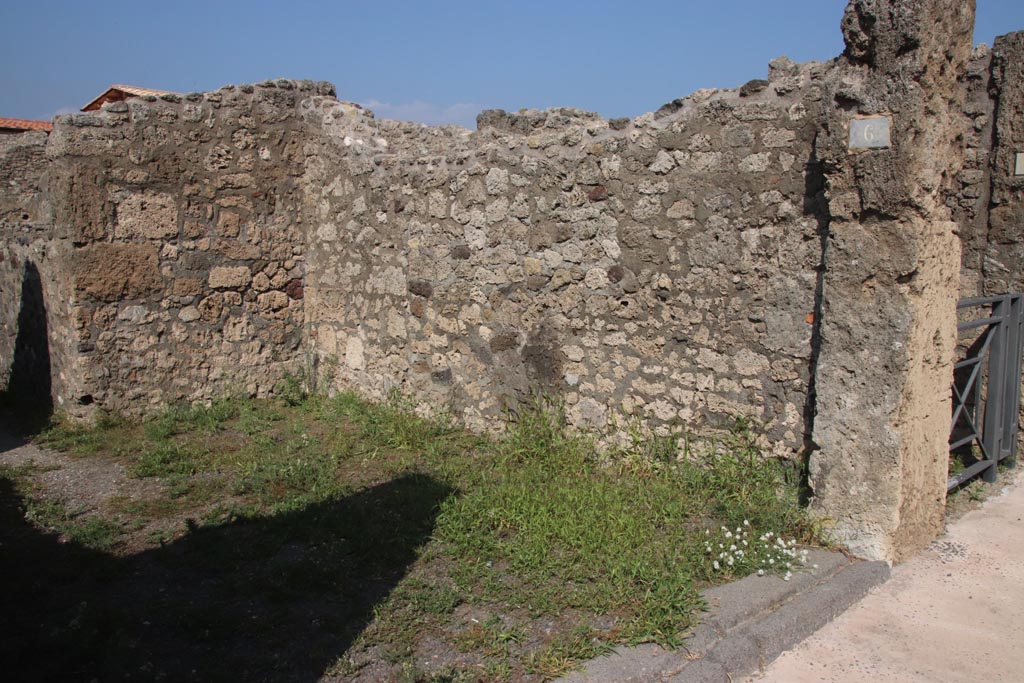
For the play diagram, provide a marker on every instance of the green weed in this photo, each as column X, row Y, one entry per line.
column 66, row 435
column 565, row 652
column 422, row 597
column 94, row 532
column 187, row 419
column 491, row 638
column 541, row 522
column 292, row 390
column 166, row 459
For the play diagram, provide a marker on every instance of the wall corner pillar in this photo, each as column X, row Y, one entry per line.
column 889, row 144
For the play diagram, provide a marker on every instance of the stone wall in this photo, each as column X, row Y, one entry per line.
column 663, row 267
column 36, row 343
column 1004, row 259
column 989, row 201
column 188, row 253
column 969, row 197
column 22, row 165
column 991, row 197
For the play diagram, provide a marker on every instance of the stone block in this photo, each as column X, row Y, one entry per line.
column 189, row 314
column 230, row 277
column 272, row 301
column 150, row 215
column 115, row 272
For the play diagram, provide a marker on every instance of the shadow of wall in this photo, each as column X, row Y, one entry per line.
column 29, row 389
column 275, row 598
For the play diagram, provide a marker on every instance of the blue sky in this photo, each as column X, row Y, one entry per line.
column 430, row 61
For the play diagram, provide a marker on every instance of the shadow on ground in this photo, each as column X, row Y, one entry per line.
column 12, row 430
column 270, row 599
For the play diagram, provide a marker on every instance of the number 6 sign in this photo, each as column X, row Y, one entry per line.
column 870, row 132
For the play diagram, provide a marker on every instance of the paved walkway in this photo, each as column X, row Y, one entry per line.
column 954, row 613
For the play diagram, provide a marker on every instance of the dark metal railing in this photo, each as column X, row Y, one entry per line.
column 986, row 395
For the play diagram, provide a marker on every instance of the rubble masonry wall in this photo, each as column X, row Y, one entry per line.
column 724, row 256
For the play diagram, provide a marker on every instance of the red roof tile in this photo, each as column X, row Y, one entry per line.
column 116, row 93
column 135, row 90
column 25, row 124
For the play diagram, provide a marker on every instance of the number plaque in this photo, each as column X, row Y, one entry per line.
column 871, row 132
column 1018, row 166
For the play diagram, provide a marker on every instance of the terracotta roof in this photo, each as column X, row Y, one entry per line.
column 25, row 124
column 134, row 90
column 116, row 93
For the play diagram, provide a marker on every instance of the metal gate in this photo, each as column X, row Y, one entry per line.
column 986, row 386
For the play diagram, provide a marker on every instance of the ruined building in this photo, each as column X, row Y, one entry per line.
column 791, row 250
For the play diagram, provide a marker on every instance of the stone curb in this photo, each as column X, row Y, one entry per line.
column 749, row 623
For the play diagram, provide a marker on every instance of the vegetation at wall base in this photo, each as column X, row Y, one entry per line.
column 335, row 534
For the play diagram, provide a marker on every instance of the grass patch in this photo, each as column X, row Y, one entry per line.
column 55, row 517
column 564, row 652
column 530, row 528
column 576, row 535
column 83, row 439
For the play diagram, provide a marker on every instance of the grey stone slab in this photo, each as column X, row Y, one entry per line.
column 749, row 623
column 701, row 671
column 828, row 561
column 808, row 612
column 738, row 651
column 700, row 640
column 734, row 603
